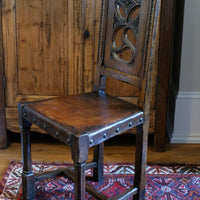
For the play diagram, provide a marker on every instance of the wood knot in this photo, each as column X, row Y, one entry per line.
column 86, row 34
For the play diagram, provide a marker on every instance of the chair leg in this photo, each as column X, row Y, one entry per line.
column 79, row 150
column 79, row 180
column 140, row 162
column 28, row 179
column 98, row 157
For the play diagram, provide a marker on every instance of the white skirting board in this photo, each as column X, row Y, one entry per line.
column 187, row 118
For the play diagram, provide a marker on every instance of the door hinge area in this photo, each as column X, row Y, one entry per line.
column 4, row 82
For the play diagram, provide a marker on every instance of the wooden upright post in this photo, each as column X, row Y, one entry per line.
column 169, row 46
column 3, row 135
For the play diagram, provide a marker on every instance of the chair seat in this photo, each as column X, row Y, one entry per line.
column 85, row 113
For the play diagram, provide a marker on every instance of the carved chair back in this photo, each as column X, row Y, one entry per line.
column 126, row 43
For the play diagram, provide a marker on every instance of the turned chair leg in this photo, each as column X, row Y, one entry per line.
column 98, row 157
column 27, row 174
column 140, row 162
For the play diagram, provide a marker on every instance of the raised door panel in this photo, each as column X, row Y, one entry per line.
column 41, row 40
column 50, row 49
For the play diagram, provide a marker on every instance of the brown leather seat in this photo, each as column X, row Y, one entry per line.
column 85, row 113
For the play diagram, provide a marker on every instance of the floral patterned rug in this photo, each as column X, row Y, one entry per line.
column 163, row 182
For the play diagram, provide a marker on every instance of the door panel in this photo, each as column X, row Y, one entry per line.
column 41, row 28
column 49, row 47
column 9, row 47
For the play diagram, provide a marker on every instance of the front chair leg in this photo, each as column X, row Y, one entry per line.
column 98, row 157
column 140, row 162
column 79, row 180
column 28, row 179
column 79, row 150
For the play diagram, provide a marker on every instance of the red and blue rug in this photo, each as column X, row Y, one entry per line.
column 169, row 182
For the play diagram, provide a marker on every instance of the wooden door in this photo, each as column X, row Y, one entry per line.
column 49, row 49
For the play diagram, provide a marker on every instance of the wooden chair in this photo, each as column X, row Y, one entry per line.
column 128, row 51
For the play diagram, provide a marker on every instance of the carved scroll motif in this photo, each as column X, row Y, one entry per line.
column 125, row 29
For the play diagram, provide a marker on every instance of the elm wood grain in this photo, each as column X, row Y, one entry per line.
column 43, row 48
column 86, row 120
column 38, row 30
column 3, row 135
column 9, row 50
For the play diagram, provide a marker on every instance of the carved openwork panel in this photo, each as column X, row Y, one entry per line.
column 125, row 29
column 122, row 31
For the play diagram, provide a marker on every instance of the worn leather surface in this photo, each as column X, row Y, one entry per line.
column 84, row 112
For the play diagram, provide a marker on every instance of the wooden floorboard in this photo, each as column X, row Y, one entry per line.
column 120, row 149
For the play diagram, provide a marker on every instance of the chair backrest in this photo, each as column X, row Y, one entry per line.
column 128, row 43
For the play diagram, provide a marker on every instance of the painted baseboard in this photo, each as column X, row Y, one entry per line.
column 187, row 118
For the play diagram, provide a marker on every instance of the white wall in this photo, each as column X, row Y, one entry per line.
column 190, row 65
column 187, row 114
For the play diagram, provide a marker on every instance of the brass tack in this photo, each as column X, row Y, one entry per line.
column 68, row 140
column 57, row 133
column 44, row 126
column 130, row 124
column 91, row 141
column 117, row 129
column 104, row 135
